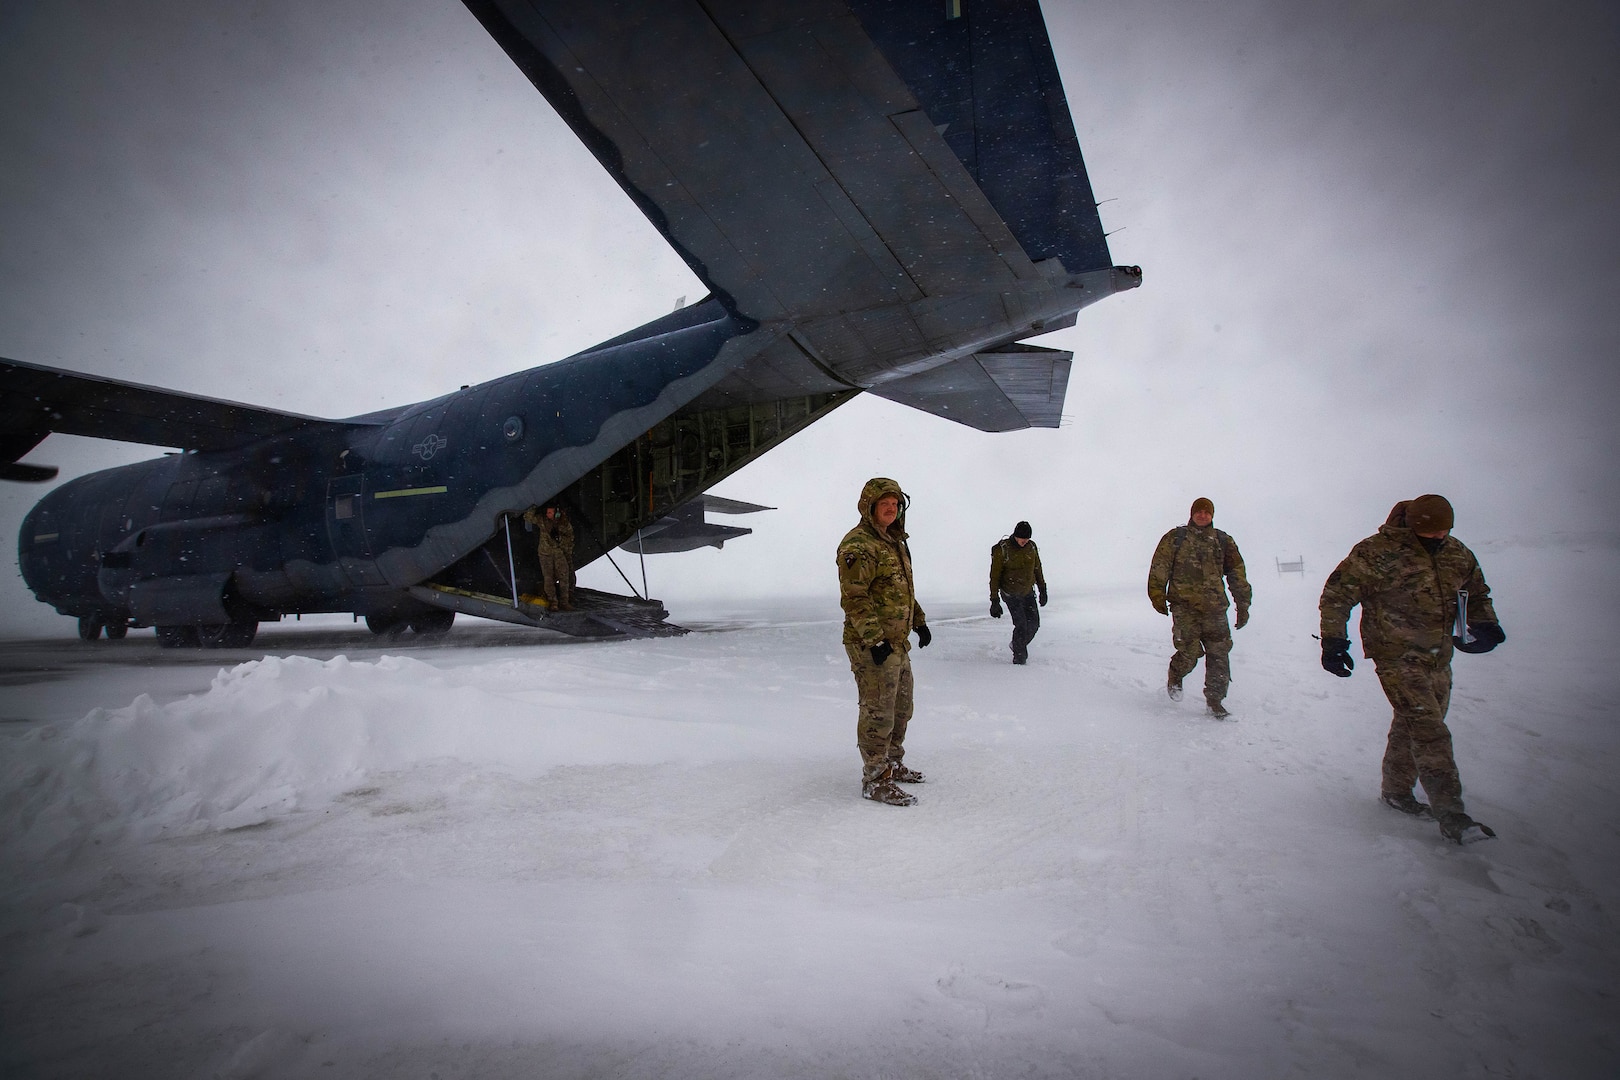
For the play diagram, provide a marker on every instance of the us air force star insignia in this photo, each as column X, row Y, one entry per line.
column 429, row 446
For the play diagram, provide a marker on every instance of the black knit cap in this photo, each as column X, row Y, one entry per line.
column 1022, row 531
column 1430, row 513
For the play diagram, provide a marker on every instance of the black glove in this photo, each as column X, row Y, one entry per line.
column 924, row 636
column 1336, row 656
column 1487, row 636
column 995, row 608
column 1043, row 598
column 1243, row 618
column 881, row 652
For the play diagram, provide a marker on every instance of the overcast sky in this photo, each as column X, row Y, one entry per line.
column 1379, row 246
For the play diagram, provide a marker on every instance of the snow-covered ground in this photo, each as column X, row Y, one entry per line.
column 648, row 859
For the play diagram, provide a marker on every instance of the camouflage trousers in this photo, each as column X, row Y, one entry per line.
column 1026, row 622
column 1419, row 747
column 555, row 577
column 1201, row 633
column 885, row 709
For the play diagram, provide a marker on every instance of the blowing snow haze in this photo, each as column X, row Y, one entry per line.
column 1378, row 251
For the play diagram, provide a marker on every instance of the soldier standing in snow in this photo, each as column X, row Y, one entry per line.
column 556, row 550
column 880, row 611
column 1015, row 573
column 1185, row 582
column 1409, row 579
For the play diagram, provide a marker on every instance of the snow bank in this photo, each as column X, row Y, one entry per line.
column 281, row 734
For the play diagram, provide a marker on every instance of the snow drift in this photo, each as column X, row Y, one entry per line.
column 649, row 859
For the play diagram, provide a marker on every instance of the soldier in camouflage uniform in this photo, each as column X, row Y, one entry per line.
column 880, row 611
column 1407, row 580
column 556, row 550
column 1185, row 582
column 1015, row 574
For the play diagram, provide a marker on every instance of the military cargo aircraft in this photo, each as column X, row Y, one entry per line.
column 880, row 197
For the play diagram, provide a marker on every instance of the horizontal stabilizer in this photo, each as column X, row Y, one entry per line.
column 684, row 528
column 1008, row 389
column 683, row 537
column 717, row 504
column 36, row 401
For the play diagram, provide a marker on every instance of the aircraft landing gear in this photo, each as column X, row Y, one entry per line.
column 423, row 623
column 386, row 625
column 176, row 637
column 433, row 623
column 233, row 635
column 91, row 626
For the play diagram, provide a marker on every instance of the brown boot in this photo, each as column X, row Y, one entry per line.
column 1405, row 803
column 877, row 784
column 1462, row 829
column 904, row 774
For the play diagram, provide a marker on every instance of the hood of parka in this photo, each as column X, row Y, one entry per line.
column 1396, row 528
column 875, row 489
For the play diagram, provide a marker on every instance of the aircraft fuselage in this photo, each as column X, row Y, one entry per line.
column 345, row 518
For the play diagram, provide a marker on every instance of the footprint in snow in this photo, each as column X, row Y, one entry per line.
column 992, row 993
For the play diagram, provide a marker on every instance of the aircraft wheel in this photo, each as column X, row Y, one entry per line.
column 433, row 623
column 386, row 625
column 89, row 627
column 117, row 630
column 239, row 635
column 234, row 635
column 176, row 637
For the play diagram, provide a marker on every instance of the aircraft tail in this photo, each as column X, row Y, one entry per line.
column 812, row 160
column 985, row 75
column 1004, row 389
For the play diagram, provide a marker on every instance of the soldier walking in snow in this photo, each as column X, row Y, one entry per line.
column 1185, row 582
column 556, row 550
column 1410, row 579
column 1015, row 574
column 880, row 611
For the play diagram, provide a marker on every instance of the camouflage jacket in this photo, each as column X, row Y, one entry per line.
column 1189, row 565
column 1015, row 570
column 556, row 534
column 1408, row 597
column 874, row 576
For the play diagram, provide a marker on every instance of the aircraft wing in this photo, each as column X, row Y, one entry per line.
column 36, row 401
column 886, row 178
